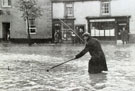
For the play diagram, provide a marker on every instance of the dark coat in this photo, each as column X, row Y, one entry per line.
column 97, row 62
column 124, row 35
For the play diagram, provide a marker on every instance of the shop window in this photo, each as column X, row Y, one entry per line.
column 32, row 26
column 105, row 8
column 69, row 10
column 102, row 29
column 67, row 30
column 6, row 3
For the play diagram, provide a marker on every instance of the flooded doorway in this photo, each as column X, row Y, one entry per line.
column 57, row 32
column 120, row 28
column 6, row 31
column 80, row 29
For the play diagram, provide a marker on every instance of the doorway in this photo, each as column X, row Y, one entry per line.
column 120, row 28
column 6, row 31
column 57, row 32
column 80, row 29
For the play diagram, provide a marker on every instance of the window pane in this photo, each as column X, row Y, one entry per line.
column 105, row 8
column 107, row 32
column 97, row 32
column 101, row 32
column 32, row 22
column 32, row 30
column 69, row 12
column 69, row 9
column 9, row 2
column 93, row 31
column 4, row 2
column 112, row 32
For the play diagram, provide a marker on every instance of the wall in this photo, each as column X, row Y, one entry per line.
column 58, row 10
column 92, row 8
column 124, row 7
column 18, row 25
column 81, row 10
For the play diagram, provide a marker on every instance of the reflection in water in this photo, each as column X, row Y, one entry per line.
column 98, row 80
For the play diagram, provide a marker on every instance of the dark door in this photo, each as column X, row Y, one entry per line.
column 56, row 28
column 80, row 29
column 6, row 31
column 120, row 28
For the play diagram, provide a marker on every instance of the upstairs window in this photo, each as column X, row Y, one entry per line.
column 6, row 3
column 105, row 8
column 69, row 10
column 32, row 26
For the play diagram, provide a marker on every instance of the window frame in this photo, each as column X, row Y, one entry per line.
column 105, row 8
column 6, row 3
column 30, row 30
column 69, row 7
column 32, row 26
column 102, row 32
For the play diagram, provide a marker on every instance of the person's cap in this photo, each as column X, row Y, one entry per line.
column 86, row 34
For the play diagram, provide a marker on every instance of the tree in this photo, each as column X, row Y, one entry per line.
column 30, row 10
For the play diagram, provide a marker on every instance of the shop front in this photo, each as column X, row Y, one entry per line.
column 107, row 28
column 65, row 27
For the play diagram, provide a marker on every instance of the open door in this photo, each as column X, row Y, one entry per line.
column 120, row 27
column 6, row 31
column 80, row 29
column 57, row 29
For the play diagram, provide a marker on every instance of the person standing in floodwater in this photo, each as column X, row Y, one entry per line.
column 57, row 36
column 81, row 31
column 73, row 37
column 124, row 35
column 97, row 63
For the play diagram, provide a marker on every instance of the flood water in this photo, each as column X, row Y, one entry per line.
column 23, row 68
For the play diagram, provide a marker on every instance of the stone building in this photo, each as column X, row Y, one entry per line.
column 13, row 27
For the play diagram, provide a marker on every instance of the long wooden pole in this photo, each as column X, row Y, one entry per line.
column 59, row 64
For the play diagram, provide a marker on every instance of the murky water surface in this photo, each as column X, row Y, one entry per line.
column 23, row 68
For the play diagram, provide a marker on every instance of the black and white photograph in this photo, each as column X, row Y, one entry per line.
column 67, row 45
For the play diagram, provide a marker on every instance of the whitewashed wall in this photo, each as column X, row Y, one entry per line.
column 92, row 8
column 81, row 10
column 58, row 10
column 124, row 7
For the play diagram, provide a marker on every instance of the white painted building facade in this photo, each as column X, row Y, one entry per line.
column 93, row 10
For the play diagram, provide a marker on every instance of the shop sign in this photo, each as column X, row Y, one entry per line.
column 102, row 20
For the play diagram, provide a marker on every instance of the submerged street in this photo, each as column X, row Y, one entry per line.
column 23, row 68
